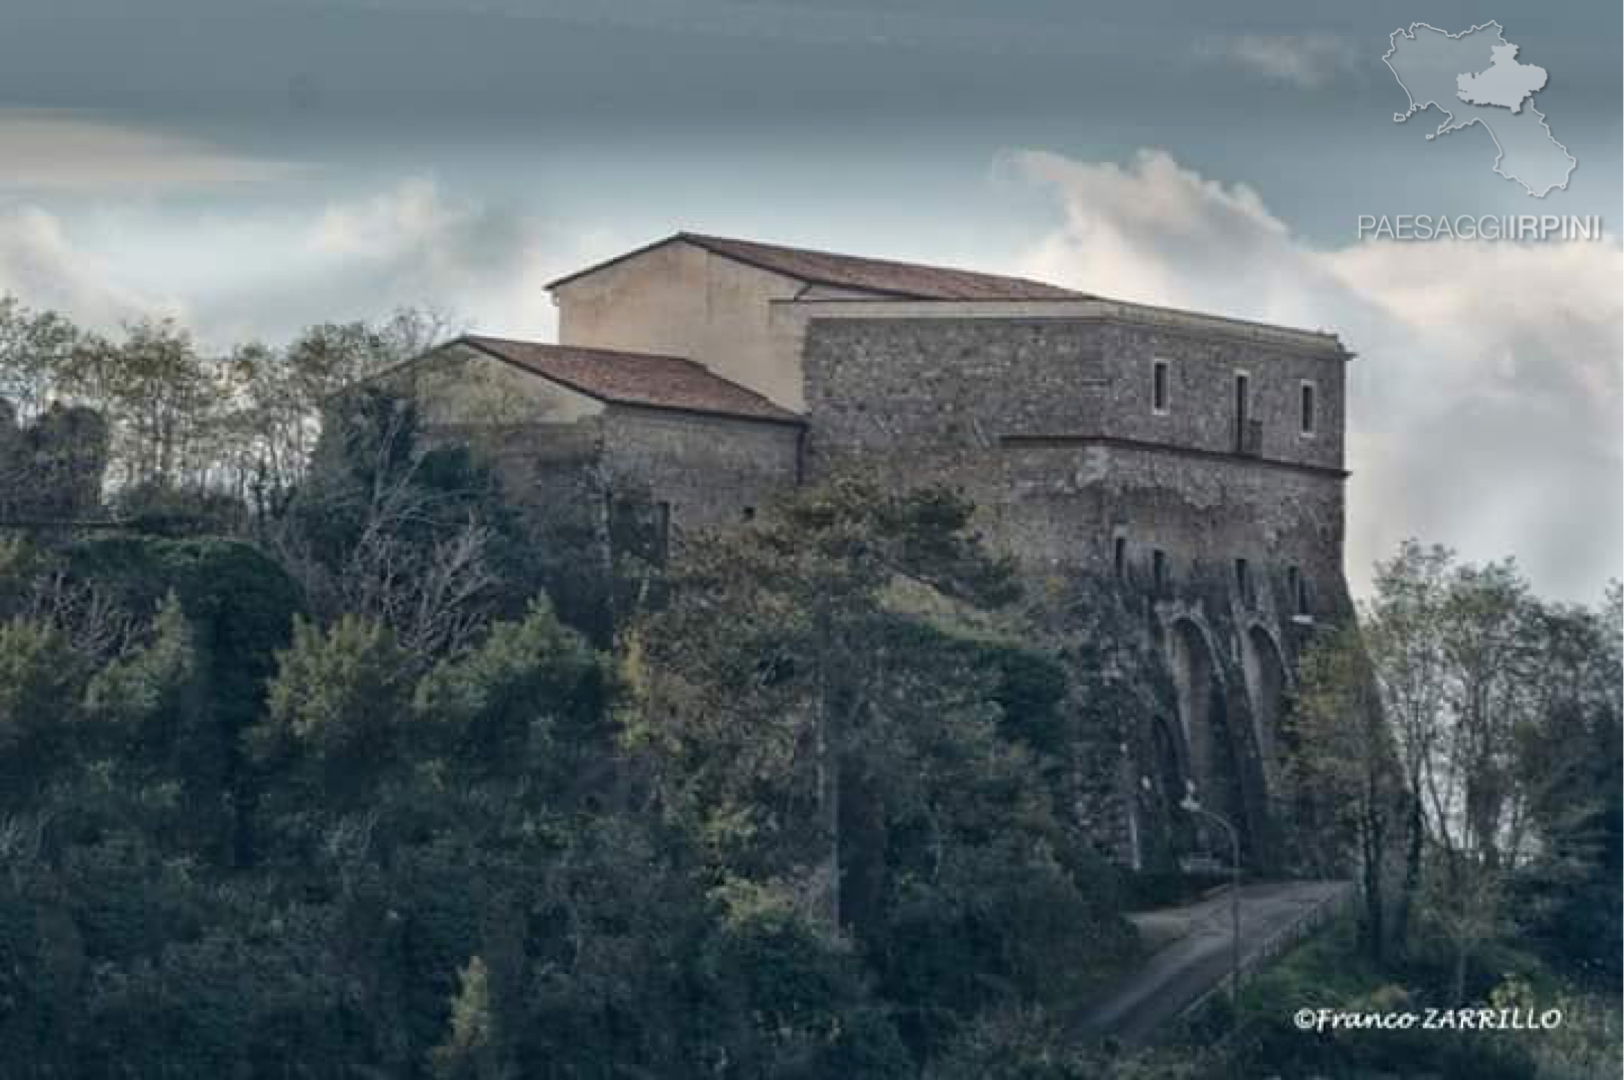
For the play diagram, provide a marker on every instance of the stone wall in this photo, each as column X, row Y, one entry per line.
column 1048, row 425
column 970, row 381
column 1065, row 505
column 556, row 447
column 1179, row 567
column 1200, row 412
column 701, row 471
column 628, row 481
column 711, row 471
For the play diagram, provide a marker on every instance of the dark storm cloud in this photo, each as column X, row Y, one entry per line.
column 645, row 61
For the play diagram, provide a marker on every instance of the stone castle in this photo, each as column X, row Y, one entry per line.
column 1192, row 462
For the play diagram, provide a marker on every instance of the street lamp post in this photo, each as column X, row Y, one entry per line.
column 1190, row 805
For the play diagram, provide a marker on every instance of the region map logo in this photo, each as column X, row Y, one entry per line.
column 1474, row 77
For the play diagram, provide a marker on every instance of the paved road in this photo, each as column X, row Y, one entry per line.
column 1196, row 955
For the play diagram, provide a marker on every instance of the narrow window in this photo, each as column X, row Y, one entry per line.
column 749, row 513
column 1243, row 403
column 1293, row 587
column 1299, row 591
column 1158, row 386
column 1243, row 581
column 1308, row 417
column 1158, row 569
column 1119, row 557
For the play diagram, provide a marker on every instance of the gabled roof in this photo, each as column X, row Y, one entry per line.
column 629, row 378
column 902, row 280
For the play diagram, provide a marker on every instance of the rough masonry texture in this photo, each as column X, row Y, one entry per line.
column 1171, row 483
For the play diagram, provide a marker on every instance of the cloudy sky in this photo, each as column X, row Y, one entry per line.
column 254, row 165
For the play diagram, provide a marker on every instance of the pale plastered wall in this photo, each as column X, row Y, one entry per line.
column 458, row 386
column 680, row 300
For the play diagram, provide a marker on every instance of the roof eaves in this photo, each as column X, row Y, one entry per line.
column 722, row 248
column 613, row 260
column 783, row 416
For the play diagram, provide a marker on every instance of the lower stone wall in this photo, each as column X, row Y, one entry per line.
column 710, row 471
column 628, row 482
column 707, row 472
column 1184, row 671
column 1188, row 662
column 1171, row 691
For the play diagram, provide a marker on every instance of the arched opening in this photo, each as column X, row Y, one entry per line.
column 1169, row 770
column 1266, row 690
column 1170, row 766
column 1213, row 762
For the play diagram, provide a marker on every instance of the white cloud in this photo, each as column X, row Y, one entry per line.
column 40, row 263
column 265, row 273
column 392, row 223
column 1485, row 405
column 57, row 150
column 1301, row 60
column 416, row 244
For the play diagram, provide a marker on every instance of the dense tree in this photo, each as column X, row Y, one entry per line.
column 393, row 527
column 35, row 348
column 1570, row 891
column 1027, row 1044
column 1483, row 764
column 319, row 766
column 161, row 397
column 773, row 659
column 38, row 679
column 1403, row 632
column 1342, row 775
column 279, row 396
column 338, row 700
column 197, row 441
column 821, row 740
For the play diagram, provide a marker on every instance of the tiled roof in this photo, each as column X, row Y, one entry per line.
column 629, row 378
column 912, row 281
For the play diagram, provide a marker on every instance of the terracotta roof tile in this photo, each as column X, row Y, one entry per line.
column 628, row 378
column 911, row 280
column 903, row 280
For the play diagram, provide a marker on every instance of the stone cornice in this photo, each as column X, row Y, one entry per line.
column 1171, row 320
column 1116, row 442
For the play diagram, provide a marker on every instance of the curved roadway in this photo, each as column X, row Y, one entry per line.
column 1196, row 958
